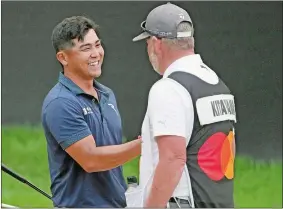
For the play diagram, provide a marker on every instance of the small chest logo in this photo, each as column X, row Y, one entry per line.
column 87, row 110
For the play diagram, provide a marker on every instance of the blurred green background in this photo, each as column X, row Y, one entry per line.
column 257, row 183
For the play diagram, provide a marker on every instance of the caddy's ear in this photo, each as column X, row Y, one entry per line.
column 156, row 42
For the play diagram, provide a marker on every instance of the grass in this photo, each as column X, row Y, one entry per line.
column 257, row 184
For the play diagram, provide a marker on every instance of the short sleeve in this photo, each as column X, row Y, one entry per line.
column 64, row 119
column 168, row 115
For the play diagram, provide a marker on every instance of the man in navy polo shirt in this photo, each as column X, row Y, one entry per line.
column 82, row 124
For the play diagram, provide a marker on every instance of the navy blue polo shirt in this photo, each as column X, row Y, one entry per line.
column 68, row 115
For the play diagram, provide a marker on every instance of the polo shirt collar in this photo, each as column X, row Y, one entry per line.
column 68, row 83
column 183, row 63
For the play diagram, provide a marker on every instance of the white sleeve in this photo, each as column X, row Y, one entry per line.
column 170, row 109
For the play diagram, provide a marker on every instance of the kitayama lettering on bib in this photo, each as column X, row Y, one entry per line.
column 223, row 107
column 217, row 108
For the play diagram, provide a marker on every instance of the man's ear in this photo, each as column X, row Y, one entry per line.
column 62, row 58
column 156, row 45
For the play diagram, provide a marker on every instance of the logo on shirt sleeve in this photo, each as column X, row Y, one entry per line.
column 112, row 106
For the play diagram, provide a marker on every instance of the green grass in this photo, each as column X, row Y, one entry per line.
column 257, row 184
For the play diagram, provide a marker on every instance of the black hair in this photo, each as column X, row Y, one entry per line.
column 71, row 28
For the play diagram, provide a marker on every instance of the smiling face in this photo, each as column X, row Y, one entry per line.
column 85, row 57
